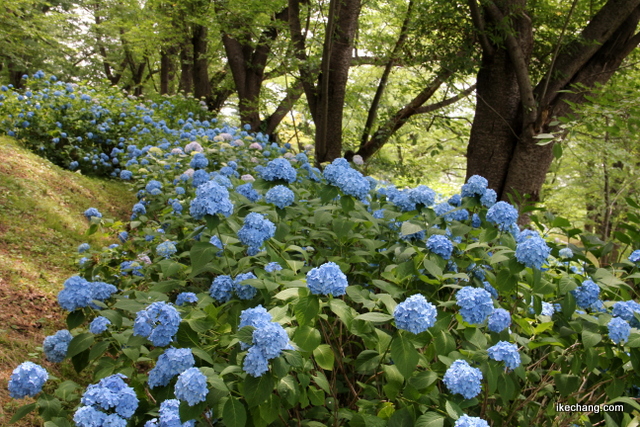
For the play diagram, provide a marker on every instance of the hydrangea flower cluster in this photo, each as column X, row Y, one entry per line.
column 158, row 322
column 92, row 213
column 532, row 252
column 84, row 247
column 153, row 187
column 507, row 353
column 499, row 320
column 503, row 215
column 55, row 346
column 199, row 161
column 186, row 297
column 223, row 287
column 475, row 186
column 461, row 378
column 169, row 416
column 586, row 294
column 249, row 192
column 268, row 339
column 76, row 294
column 565, row 253
column 166, row 249
column 619, row 330
column 280, row 196
column 467, row 421
column 172, row 362
column 475, row 304
column 99, row 325
column 625, row 310
column 278, row 169
column 256, row 230
column 415, row 314
column 634, row 257
column 109, row 403
column 351, row 182
column 27, row 380
column 244, row 292
column 272, row 267
column 211, row 198
column 547, row 309
column 440, row 245
column 327, row 279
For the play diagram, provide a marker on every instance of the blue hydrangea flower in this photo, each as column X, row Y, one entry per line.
column 256, row 230
column 27, row 380
column 440, row 245
column 499, row 320
column 625, row 310
column 169, row 416
column 215, row 241
column 249, row 192
column 462, row 379
column 415, row 314
column 586, row 294
column 272, row 267
column 270, row 338
column 635, row 256
column 280, row 196
column 123, row 236
column 507, row 353
column 159, row 322
column 211, row 198
column 455, row 200
column 99, row 325
column 222, row 288
column 476, row 221
column 475, row 186
column 110, row 394
column 76, row 294
column 199, row 161
column 490, row 289
column 83, row 248
column 132, row 267
column 125, row 174
column 172, row 362
column 278, row 169
column 138, row 209
column 327, row 279
column 153, row 187
column 532, row 252
column 475, row 304
column 185, row 297
column 547, row 309
column 255, row 364
column 352, row 183
column 200, row 177
column 503, row 215
column 166, row 249
column 92, row 213
column 244, row 292
column 619, row 330
column 489, row 198
column 256, row 317
column 191, row 386
column 467, row 421
column 565, row 253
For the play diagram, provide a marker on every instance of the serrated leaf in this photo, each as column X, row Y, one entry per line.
column 80, row 343
column 306, row 309
column 258, row 390
column 404, row 355
column 374, row 317
column 324, row 356
column 430, row 419
column 22, row 412
column 234, row 413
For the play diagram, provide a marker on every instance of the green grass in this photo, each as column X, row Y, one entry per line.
column 41, row 226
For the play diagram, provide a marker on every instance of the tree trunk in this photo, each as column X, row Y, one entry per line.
column 186, row 68
column 201, row 87
column 502, row 145
column 167, row 70
column 332, row 81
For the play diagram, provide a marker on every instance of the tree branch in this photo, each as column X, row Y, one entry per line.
column 478, row 22
column 445, row 103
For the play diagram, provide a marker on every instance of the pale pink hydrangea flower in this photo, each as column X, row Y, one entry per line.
column 226, row 136
column 255, row 146
column 189, row 172
column 358, row 160
column 177, row 151
column 288, row 156
column 238, row 143
column 255, row 160
column 247, row 178
column 193, row 146
column 144, row 259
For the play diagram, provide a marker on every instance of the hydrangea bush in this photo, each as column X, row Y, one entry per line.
column 251, row 288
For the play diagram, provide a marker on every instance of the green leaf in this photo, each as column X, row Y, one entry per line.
column 430, row 419
column 567, row 384
column 590, row 339
column 80, row 343
column 401, row 418
column 366, row 420
column 188, row 412
column 408, row 228
column 75, row 319
column 453, row 410
column 306, row 309
column 234, row 413
column 258, row 390
column 634, row 340
column 423, row 380
column 324, row 356
column 348, row 203
column 404, row 355
column 557, row 150
column 201, row 254
column 288, row 389
column 307, row 338
column 374, row 317
column 432, row 268
column 22, row 412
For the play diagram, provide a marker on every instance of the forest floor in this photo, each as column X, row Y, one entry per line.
column 41, row 227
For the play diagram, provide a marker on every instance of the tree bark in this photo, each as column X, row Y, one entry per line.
column 186, row 68
column 201, row 87
column 503, row 146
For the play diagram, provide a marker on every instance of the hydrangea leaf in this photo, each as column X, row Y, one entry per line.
column 258, row 390
column 324, row 357
column 404, row 355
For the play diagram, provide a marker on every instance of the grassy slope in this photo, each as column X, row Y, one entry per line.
column 41, row 226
